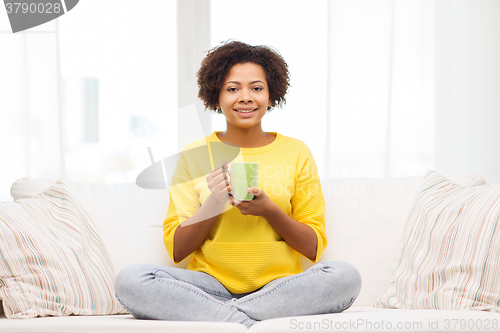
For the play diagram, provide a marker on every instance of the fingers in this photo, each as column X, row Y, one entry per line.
column 217, row 175
column 256, row 191
column 233, row 201
column 222, row 185
column 218, row 182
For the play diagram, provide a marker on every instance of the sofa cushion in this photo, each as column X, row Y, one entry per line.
column 354, row 319
column 450, row 254
column 53, row 262
column 369, row 319
column 114, row 324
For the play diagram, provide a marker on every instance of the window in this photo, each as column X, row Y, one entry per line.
column 118, row 61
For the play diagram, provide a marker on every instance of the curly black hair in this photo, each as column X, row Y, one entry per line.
column 216, row 66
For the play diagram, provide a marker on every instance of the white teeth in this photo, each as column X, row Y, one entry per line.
column 245, row 111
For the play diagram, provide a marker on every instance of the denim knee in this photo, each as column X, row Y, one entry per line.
column 345, row 273
column 128, row 279
column 127, row 286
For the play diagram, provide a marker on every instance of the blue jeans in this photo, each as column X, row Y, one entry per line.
column 167, row 293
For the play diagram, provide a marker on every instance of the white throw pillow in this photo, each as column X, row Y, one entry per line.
column 450, row 254
column 52, row 260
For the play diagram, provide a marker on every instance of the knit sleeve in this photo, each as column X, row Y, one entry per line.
column 308, row 203
column 183, row 203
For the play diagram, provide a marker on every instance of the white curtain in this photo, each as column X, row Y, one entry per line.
column 125, row 63
column 381, row 88
column 362, row 79
column 30, row 131
column 467, row 87
column 362, row 97
column 120, row 78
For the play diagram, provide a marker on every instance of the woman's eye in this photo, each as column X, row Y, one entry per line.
column 232, row 89
column 258, row 88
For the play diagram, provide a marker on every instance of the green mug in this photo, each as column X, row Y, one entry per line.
column 243, row 175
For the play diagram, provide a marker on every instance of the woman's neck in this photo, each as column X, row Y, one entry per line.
column 247, row 138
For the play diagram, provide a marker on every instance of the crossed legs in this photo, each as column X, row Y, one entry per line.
column 167, row 293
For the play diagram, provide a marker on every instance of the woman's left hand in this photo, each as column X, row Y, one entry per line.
column 261, row 205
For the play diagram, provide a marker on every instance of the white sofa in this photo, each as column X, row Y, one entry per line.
column 365, row 221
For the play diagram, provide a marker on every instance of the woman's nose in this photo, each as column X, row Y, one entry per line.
column 245, row 96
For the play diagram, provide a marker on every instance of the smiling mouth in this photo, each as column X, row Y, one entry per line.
column 246, row 111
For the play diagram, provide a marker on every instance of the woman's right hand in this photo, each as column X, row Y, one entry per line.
column 218, row 183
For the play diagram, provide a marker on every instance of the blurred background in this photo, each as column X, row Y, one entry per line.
column 380, row 88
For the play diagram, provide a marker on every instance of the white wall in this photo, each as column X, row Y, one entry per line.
column 467, row 123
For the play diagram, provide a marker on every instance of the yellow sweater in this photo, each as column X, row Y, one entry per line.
column 244, row 252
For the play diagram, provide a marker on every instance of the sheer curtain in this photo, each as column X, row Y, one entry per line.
column 362, row 79
column 119, row 70
column 83, row 96
column 380, row 111
column 30, row 114
column 361, row 96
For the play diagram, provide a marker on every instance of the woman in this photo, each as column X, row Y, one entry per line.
column 246, row 254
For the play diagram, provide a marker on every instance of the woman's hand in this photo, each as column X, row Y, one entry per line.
column 218, row 183
column 261, row 205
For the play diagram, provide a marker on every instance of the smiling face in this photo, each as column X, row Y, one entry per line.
column 244, row 96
